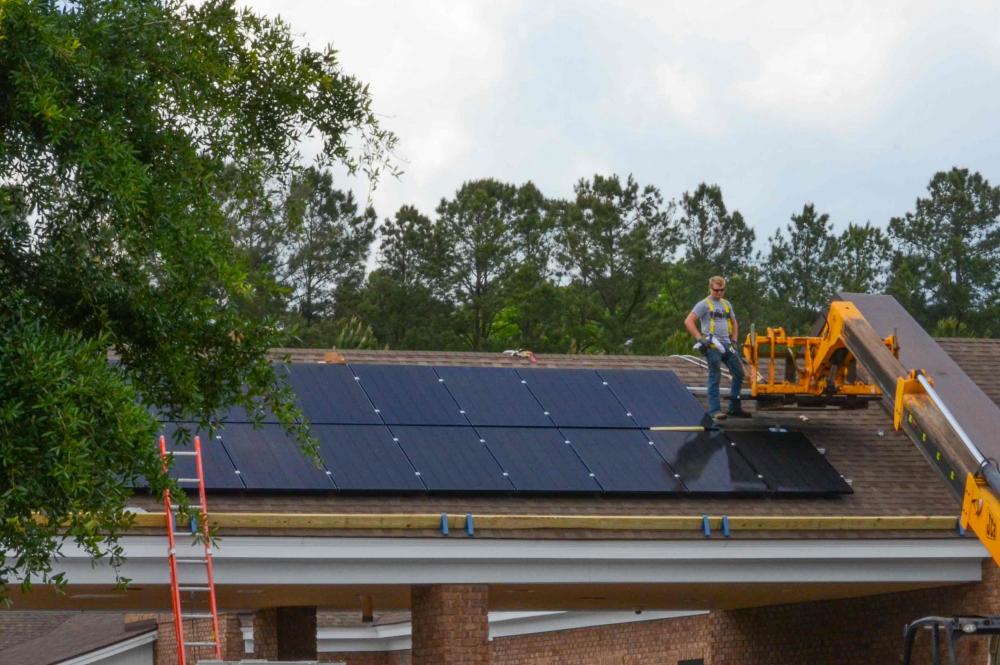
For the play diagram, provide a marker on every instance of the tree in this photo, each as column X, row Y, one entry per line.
column 800, row 267
column 614, row 242
column 479, row 234
column 863, row 257
column 715, row 241
column 951, row 244
column 118, row 120
column 398, row 300
column 327, row 245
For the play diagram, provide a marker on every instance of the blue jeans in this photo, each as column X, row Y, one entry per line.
column 732, row 359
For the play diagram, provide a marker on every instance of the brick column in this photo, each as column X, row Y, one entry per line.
column 450, row 624
column 285, row 633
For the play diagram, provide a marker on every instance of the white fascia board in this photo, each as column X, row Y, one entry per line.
column 113, row 650
column 318, row 560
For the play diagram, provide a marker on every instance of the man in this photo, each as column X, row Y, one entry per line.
column 716, row 340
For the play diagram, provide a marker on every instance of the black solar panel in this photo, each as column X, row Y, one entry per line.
column 409, row 395
column 789, row 462
column 655, row 397
column 220, row 473
column 365, row 458
column 623, row 460
column 268, row 459
column 707, row 462
column 452, row 459
column 493, row 396
column 576, row 398
column 330, row 395
column 538, row 460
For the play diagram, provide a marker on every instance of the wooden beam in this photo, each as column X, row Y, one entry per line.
column 693, row 523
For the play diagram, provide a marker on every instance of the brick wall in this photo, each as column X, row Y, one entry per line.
column 857, row 630
column 195, row 630
column 285, row 633
column 659, row 642
column 450, row 625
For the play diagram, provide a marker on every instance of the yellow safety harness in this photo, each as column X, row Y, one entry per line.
column 711, row 318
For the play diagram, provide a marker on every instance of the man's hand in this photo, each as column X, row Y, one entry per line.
column 701, row 346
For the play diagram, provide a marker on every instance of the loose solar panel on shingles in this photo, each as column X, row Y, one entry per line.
column 538, row 460
column 409, row 395
column 493, row 396
column 622, row 460
column 365, row 458
column 655, row 397
column 452, row 459
column 789, row 462
column 707, row 462
column 576, row 398
column 220, row 473
column 269, row 460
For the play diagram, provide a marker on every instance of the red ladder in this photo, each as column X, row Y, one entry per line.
column 176, row 587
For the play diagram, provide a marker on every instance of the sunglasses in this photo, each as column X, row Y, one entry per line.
column 722, row 290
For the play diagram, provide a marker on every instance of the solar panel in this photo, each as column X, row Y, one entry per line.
column 538, row 460
column 493, row 396
column 576, row 398
column 452, row 459
column 623, row 460
column 329, row 394
column 268, row 459
column 365, row 457
column 789, row 462
column 655, row 397
column 409, row 395
column 220, row 473
column 707, row 462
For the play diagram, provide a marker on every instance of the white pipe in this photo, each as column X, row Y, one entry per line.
column 951, row 419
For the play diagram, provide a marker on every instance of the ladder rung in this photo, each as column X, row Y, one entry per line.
column 199, row 644
column 178, row 534
column 198, row 561
column 182, row 453
column 192, row 588
column 196, row 615
column 188, row 480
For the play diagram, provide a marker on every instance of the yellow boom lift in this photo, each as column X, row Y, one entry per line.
column 823, row 370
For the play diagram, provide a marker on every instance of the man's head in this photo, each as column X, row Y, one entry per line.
column 717, row 286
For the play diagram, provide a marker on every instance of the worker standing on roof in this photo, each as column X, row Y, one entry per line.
column 719, row 328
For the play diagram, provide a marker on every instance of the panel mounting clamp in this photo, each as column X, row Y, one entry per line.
column 706, row 526
column 444, row 524
column 470, row 529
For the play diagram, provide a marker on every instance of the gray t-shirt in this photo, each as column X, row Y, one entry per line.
column 705, row 315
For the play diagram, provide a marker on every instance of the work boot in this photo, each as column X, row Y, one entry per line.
column 718, row 415
column 738, row 412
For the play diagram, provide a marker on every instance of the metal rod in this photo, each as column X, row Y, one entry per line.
column 951, row 419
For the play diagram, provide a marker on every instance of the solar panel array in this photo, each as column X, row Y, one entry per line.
column 408, row 428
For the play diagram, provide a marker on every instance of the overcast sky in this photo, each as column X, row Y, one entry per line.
column 850, row 105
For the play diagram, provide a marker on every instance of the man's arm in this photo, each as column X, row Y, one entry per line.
column 736, row 331
column 691, row 324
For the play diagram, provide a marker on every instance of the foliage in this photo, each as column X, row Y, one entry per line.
column 119, row 121
column 327, row 243
column 614, row 241
column 950, row 248
column 800, row 267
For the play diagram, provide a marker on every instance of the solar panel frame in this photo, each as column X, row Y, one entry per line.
column 577, row 398
column 409, row 395
column 655, row 397
column 623, row 461
column 452, row 459
column 351, row 452
column 708, row 463
column 789, row 463
column 493, row 397
column 268, row 459
column 538, row 460
column 329, row 394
